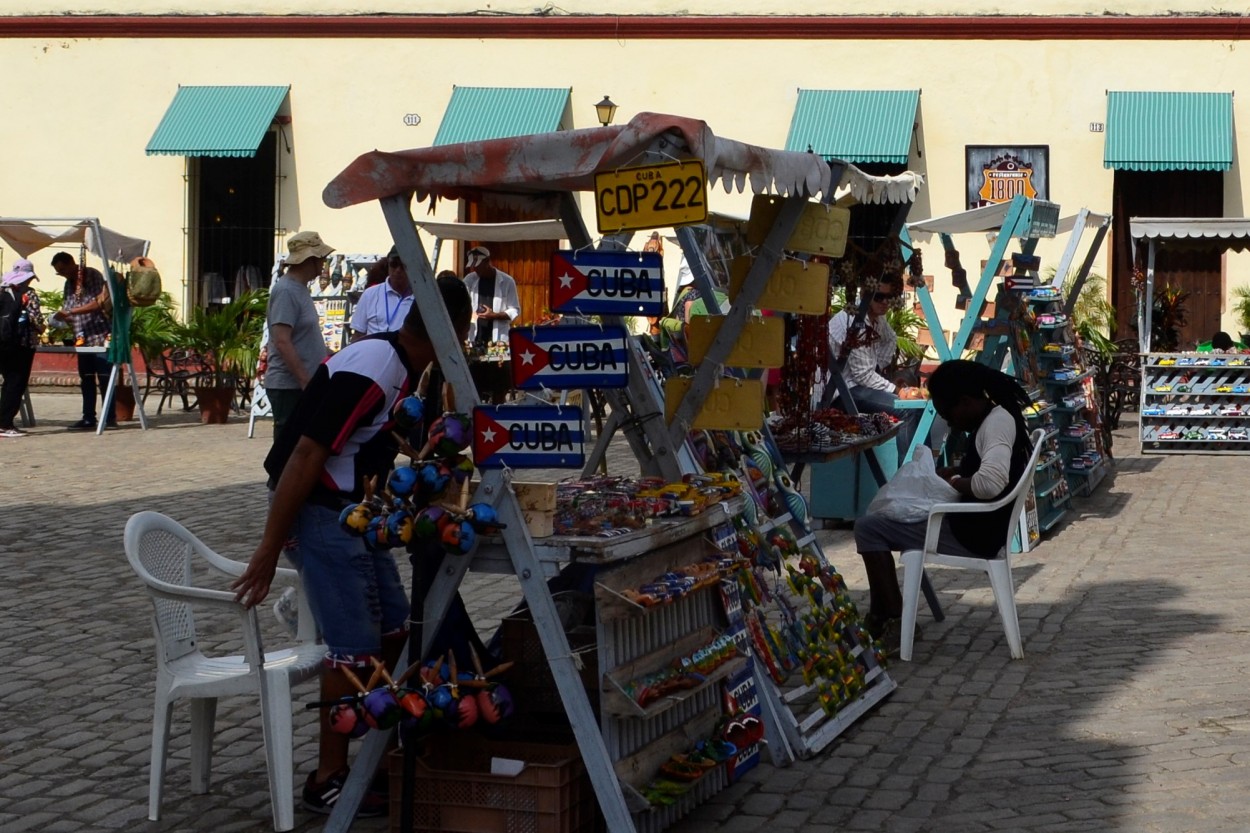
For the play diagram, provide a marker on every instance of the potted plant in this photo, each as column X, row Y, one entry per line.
column 1241, row 308
column 227, row 342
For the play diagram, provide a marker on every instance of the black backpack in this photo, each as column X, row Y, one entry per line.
column 12, row 325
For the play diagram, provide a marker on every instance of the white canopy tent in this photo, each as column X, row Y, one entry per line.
column 1155, row 233
column 27, row 235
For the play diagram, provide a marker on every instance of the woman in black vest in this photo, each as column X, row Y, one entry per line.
column 988, row 405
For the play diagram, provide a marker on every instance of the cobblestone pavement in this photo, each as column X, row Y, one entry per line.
column 1128, row 713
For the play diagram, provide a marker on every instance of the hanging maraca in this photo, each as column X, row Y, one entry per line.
column 380, row 708
column 411, row 702
column 462, row 713
column 494, row 701
column 355, row 517
column 409, row 414
column 450, row 434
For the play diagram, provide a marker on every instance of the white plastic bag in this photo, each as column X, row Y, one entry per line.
column 913, row 490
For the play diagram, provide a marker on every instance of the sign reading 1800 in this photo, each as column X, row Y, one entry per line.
column 652, row 196
column 609, row 283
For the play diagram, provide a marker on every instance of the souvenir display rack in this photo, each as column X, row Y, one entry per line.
column 662, row 447
column 1195, row 403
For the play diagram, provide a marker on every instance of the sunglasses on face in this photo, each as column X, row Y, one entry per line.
column 884, row 296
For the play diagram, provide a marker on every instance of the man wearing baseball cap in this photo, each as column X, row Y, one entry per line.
column 296, row 346
column 495, row 305
column 17, row 348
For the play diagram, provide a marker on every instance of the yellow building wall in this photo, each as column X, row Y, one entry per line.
column 79, row 121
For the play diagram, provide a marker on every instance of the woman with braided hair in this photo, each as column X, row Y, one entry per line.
column 987, row 404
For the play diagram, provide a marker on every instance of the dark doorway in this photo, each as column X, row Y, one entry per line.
column 234, row 232
column 1168, row 194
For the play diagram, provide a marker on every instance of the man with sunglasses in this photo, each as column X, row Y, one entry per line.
column 383, row 306
column 867, row 351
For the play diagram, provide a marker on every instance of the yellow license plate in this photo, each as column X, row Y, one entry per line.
column 760, row 344
column 732, row 405
column 794, row 286
column 822, row 229
column 651, row 196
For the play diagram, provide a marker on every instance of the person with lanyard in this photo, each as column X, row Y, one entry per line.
column 383, row 306
column 84, row 309
column 496, row 305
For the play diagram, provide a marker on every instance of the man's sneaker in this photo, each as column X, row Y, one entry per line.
column 321, row 798
column 82, row 425
column 11, row 432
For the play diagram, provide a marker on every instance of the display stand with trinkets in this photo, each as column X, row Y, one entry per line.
column 667, row 740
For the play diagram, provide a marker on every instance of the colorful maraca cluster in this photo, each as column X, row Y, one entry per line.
column 406, row 507
column 440, row 696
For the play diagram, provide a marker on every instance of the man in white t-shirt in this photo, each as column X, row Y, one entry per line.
column 382, row 307
column 868, row 352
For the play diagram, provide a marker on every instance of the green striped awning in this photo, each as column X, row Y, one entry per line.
column 476, row 114
column 855, row 125
column 1169, row 131
column 216, row 121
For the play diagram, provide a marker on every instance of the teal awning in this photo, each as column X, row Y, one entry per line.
column 1169, row 132
column 216, row 121
column 475, row 114
column 855, row 125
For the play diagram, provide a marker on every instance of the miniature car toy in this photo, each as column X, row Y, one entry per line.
column 1226, row 410
column 1052, row 348
column 1044, row 293
column 1177, row 410
column 1077, row 463
column 1154, row 410
column 1218, row 362
column 1195, row 434
column 1236, row 362
column 1169, row 435
column 1238, row 434
column 1166, row 362
column 1062, row 374
column 1201, row 410
column 1163, row 388
column 1224, row 389
column 1240, row 389
column 1182, row 388
column 1217, row 433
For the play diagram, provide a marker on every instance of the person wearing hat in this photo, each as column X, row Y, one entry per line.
column 383, row 306
column 296, row 346
column 18, row 355
column 496, row 305
column 85, row 296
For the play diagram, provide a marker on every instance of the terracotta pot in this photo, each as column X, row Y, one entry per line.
column 214, row 404
column 124, row 402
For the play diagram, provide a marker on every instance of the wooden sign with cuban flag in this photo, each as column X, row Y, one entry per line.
column 569, row 357
column 528, row 437
column 607, row 283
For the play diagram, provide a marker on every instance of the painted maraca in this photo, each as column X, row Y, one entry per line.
column 345, row 719
column 449, row 435
column 484, row 518
column 463, row 711
column 494, row 702
column 402, row 481
column 458, row 537
column 409, row 413
column 432, row 480
column 410, row 701
column 429, row 521
column 399, row 527
column 379, row 706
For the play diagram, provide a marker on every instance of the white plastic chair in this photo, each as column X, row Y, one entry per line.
column 998, row 568
column 161, row 552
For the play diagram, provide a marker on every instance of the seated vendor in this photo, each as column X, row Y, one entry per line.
column 868, row 352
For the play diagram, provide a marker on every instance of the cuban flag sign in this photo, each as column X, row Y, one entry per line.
column 608, row 283
column 569, row 357
column 528, row 437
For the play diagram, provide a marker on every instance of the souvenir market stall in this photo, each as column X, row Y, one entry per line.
column 727, row 548
column 27, row 235
column 1027, row 329
column 1191, row 403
